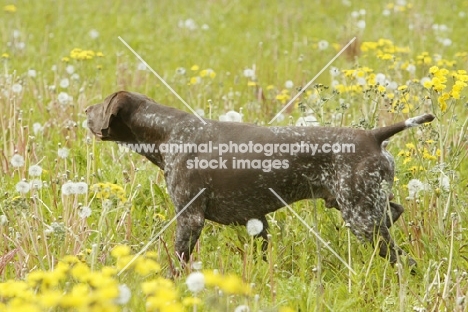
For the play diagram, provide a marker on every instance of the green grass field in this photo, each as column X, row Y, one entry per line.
column 74, row 211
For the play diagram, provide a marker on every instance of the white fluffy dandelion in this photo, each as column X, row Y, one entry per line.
column 63, row 152
column 94, row 34
column 411, row 68
column 323, row 45
column 16, row 88
column 361, row 24
column 84, row 212
column 68, row 188
column 289, row 84
column 32, row 73
column 70, row 69
column 63, row 98
column 231, row 116
column 36, row 184
column 242, row 308
column 35, row 170
column 37, row 127
column 414, row 187
column 124, row 294
column 195, row 282
column 81, row 188
column 3, row 220
column 254, row 227
column 249, row 73
column 64, row 83
column 23, row 187
column 445, row 183
column 17, row 161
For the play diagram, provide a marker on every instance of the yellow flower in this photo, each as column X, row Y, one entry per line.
column 146, row 266
column 195, row 68
column 433, row 70
column 410, row 146
column 191, row 301
column 286, row 309
column 233, row 284
column 65, row 59
column 120, row 251
column 81, row 271
column 385, row 56
column 251, row 83
column 270, row 87
column 381, row 89
column 50, row 298
column 207, row 73
column 10, row 8
column 99, row 54
column 5, row 55
column 195, row 80
column 402, row 87
column 427, row 84
column 426, row 155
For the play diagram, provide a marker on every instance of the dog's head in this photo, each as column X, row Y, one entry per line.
column 107, row 120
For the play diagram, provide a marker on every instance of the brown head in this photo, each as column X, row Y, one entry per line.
column 108, row 120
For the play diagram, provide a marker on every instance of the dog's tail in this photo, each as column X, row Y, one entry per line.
column 382, row 134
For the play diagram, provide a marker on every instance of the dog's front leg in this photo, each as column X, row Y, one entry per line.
column 189, row 226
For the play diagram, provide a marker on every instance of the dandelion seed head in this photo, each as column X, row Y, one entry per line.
column 17, row 161
column 36, row 184
column 195, row 282
column 141, row 66
column 81, row 188
column 35, row 170
column 323, row 45
column 3, row 220
column 68, row 188
column 32, row 73
column 414, row 187
column 70, row 69
column 242, row 308
column 254, row 227
column 23, row 187
column 63, row 98
column 84, row 212
column 124, row 294
column 361, row 24
column 16, row 88
column 37, row 127
column 64, row 83
column 289, row 84
column 94, row 34
column 63, row 152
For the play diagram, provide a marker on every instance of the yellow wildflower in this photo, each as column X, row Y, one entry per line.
column 191, row 301
column 195, row 68
column 120, row 251
column 10, row 8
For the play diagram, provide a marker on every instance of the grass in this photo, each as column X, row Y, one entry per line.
column 55, row 257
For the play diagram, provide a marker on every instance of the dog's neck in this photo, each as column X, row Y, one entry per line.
column 152, row 124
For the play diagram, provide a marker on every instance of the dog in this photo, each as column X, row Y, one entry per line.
column 356, row 182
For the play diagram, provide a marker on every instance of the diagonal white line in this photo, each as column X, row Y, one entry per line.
column 312, row 230
column 159, row 234
column 162, row 80
column 313, row 79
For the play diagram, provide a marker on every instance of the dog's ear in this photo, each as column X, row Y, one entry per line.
column 111, row 107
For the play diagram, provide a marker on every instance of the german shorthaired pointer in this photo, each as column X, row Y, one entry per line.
column 357, row 183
